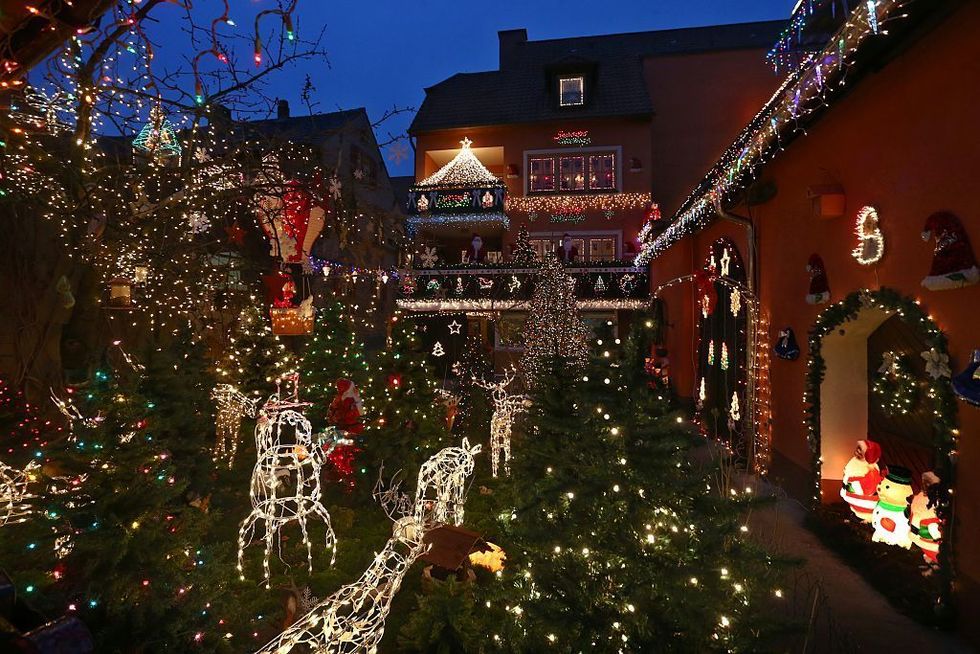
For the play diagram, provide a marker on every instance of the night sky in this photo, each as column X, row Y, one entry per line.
column 383, row 53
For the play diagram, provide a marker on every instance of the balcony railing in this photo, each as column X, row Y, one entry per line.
column 501, row 286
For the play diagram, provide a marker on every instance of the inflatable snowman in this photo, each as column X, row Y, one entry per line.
column 890, row 517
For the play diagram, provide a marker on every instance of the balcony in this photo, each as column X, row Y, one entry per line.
column 599, row 286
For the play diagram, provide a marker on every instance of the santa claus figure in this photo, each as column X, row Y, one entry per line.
column 926, row 525
column 953, row 263
column 346, row 409
column 861, row 479
column 475, row 253
column 567, row 252
column 819, row 287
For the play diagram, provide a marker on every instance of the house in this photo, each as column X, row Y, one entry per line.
column 821, row 287
column 575, row 141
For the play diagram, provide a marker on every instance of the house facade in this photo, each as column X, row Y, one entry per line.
column 565, row 149
column 827, row 254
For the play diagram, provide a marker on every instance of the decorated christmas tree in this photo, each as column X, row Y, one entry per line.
column 524, row 254
column 554, row 330
column 254, row 356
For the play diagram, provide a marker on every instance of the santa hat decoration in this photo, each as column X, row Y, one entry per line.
column 786, row 347
column 966, row 385
column 819, row 287
column 872, row 452
column 953, row 263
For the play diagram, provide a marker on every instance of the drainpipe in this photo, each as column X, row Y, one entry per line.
column 749, row 226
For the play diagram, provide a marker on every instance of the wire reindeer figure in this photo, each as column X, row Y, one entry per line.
column 505, row 409
column 14, row 494
column 231, row 405
column 285, row 483
column 352, row 620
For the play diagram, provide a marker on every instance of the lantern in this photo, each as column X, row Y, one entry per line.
column 120, row 292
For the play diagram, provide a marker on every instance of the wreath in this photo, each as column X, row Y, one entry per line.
column 895, row 385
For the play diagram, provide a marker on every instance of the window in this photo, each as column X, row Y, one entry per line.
column 543, row 174
column 542, row 247
column 602, row 249
column 571, row 91
column 570, row 172
column 573, row 173
column 602, row 174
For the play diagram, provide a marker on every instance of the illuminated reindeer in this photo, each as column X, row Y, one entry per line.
column 352, row 620
column 231, row 406
column 14, row 493
column 505, row 408
column 286, row 480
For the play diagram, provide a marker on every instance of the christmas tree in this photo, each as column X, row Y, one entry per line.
column 615, row 537
column 255, row 356
column 473, row 405
column 554, row 329
column 524, row 254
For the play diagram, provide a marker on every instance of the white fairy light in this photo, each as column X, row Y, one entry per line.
column 505, row 408
column 299, row 461
column 353, row 618
column 14, row 493
column 231, row 406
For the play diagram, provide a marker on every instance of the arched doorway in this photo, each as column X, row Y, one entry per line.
column 852, row 394
column 722, row 350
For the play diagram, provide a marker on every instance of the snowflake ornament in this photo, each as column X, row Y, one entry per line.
column 335, row 187
column 398, row 152
column 428, row 258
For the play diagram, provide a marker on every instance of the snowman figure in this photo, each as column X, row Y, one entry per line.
column 926, row 525
column 890, row 517
column 861, row 479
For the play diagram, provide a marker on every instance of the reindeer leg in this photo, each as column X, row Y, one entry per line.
column 306, row 538
column 248, row 525
column 331, row 537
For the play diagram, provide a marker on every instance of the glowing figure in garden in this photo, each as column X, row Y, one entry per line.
column 352, row 620
column 231, row 406
column 505, row 408
column 14, row 493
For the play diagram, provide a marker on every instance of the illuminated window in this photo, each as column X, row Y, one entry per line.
column 543, row 174
column 602, row 172
column 571, row 91
column 602, row 249
column 572, row 173
column 542, row 247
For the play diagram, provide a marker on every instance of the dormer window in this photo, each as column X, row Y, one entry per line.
column 571, row 91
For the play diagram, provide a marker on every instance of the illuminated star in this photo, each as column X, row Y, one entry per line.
column 726, row 261
column 454, row 327
column 466, row 142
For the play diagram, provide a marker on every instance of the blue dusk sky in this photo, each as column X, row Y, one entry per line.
column 383, row 53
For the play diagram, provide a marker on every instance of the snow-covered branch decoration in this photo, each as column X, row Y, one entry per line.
column 505, row 408
column 871, row 243
column 288, row 465
column 231, row 406
column 14, row 493
column 352, row 620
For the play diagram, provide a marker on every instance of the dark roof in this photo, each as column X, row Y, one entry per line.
column 300, row 128
column 519, row 92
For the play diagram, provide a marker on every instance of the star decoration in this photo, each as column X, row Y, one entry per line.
column 466, row 143
column 454, row 327
column 726, row 261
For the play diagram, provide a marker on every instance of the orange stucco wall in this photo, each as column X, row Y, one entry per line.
column 701, row 102
column 903, row 140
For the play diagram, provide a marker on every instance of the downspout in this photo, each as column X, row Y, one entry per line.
column 749, row 226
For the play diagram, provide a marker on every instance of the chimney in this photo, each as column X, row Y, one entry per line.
column 509, row 42
column 283, row 109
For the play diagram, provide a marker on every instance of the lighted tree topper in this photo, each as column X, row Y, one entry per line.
column 352, row 620
column 293, row 467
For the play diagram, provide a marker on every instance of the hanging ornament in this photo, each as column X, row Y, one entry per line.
column 724, row 356
column 485, row 283
column 459, row 286
column 428, row 258
column 158, row 137
column 726, row 261
column 819, row 287
column 734, row 410
column 514, row 285
column 627, row 283
column 438, row 350
column 336, row 188
column 786, row 347
column 953, row 263
column 966, row 385
column 871, row 243
column 455, row 327
column 711, row 353
column 735, row 301
column 707, row 294
column 702, row 394
column 600, row 284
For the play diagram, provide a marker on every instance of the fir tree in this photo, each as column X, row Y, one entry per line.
column 524, row 254
column 473, row 405
column 255, row 356
column 554, row 330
